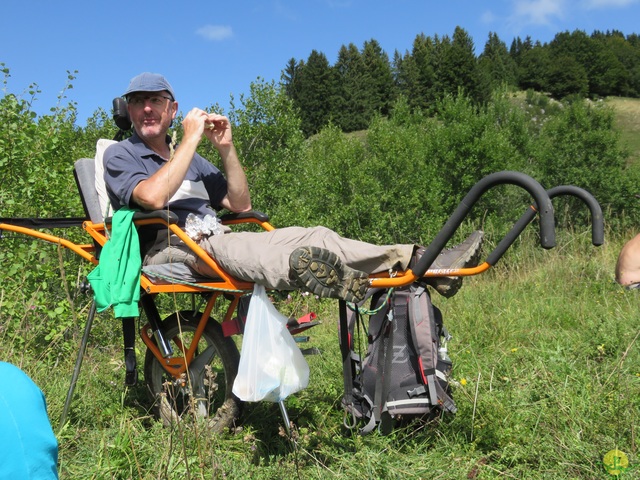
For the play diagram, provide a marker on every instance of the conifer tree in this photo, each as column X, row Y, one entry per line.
column 376, row 82
column 348, row 105
column 402, row 74
column 289, row 78
column 423, row 91
column 363, row 83
column 495, row 63
column 458, row 69
column 316, row 93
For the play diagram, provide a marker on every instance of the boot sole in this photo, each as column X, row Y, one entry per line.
column 449, row 286
column 321, row 272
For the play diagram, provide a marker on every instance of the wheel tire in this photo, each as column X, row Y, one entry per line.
column 171, row 401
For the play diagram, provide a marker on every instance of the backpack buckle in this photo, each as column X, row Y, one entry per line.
column 419, row 390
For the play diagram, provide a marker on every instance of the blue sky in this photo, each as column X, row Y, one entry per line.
column 210, row 50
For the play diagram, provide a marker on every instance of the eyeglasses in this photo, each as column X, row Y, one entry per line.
column 154, row 100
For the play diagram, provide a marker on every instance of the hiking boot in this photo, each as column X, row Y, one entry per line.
column 322, row 273
column 464, row 255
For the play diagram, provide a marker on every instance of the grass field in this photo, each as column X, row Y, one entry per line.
column 628, row 122
column 546, row 365
column 546, row 354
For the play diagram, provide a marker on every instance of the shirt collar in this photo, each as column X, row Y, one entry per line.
column 142, row 150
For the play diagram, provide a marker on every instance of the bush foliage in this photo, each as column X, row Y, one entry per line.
column 398, row 181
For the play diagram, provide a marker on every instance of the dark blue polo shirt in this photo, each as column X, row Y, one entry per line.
column 130, row 161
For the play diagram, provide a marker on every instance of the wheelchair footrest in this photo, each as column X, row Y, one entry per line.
column 295, row 326
column 303, row 323
column 302, row 328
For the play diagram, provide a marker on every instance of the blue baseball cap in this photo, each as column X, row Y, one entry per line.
column 149, row 82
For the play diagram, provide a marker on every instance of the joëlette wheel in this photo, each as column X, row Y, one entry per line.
column 206, row 391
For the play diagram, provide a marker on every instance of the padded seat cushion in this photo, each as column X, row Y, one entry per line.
column 177, row 271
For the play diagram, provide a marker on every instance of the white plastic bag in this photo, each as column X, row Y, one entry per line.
column 271, row 364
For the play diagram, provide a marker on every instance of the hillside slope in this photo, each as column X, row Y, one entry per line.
column 628, row 121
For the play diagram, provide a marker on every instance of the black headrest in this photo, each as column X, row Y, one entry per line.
column 120, row 114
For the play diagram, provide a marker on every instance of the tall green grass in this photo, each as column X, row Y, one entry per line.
column 546, row 372
column 628, row 124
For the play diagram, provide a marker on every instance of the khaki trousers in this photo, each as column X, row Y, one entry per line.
column 263, row 257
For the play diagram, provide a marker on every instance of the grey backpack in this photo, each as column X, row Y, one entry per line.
column 404, row 371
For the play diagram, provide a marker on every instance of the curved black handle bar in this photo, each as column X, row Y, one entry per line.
column 547, row 232
column 597, row 223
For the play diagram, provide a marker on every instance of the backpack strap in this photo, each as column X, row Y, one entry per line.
column 379, row 416
column 349, row 316
column 422, row 311
column 346, row 322
column 446, row 400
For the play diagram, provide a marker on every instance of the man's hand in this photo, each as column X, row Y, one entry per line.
column 218, row 130
column 193, row 125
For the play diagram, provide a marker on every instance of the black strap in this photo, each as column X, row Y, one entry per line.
column 385, row 358
column 432, row 383
column 130, row 362
column 349, row 357
column 445, row 399
column 45, row 222
column 345, row 350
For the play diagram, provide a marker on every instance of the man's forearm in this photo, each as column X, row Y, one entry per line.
column 155, row 192
column 237, row 186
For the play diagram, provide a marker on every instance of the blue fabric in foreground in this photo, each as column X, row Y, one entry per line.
column 28, row 447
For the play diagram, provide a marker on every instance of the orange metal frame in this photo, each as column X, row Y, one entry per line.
column 226, row 284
